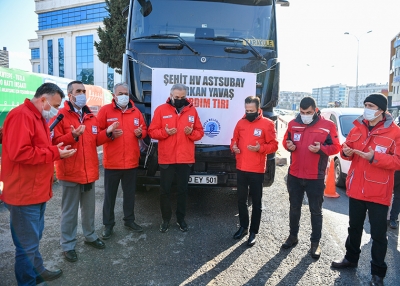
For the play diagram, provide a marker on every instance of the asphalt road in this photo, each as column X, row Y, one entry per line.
column 206, row 254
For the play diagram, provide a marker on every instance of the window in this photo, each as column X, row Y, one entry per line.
column 35, row 54
column 61, row 57
column 333, row 118
column 50, row 56
column 84, row 59
column 73, row 16
column 346, row 122
column 110, row 79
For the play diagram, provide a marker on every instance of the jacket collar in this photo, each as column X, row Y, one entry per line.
column 131, row 105
column 260, row 115
column 68, row 106
column 187, row 104
column 387, row 121
column 316, row 118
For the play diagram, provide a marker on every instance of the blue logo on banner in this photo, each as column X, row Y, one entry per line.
column 211, row 127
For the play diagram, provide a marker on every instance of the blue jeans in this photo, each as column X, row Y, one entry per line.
column 27, row 224
column 315, row 193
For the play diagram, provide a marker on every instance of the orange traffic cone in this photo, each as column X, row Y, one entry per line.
column 330, row 187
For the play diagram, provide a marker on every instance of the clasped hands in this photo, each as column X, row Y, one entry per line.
column 254, row 148
column 171, row 131
column 314, row 148
column 350, row 152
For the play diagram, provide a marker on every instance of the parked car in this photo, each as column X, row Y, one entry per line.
column 343, row 119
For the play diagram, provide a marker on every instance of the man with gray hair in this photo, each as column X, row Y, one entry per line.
column 121, row 157
column 176, row 125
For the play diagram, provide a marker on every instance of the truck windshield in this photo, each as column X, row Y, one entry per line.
column 206, row 20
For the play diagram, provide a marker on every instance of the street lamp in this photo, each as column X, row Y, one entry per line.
column 358, row 49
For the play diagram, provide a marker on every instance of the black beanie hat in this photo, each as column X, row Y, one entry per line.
column 378, row 99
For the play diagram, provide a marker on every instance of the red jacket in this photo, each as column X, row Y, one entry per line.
column 28, row 157
column 305, row 164
column 123, row 152
column 373, row 181
column 261, row 130
column 83, row 167
column 177, row 148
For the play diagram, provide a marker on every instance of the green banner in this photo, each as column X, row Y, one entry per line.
column 15, row 86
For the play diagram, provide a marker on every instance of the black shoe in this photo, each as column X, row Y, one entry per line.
column 343, row 264
column 376, row 281
column 107, row 232
column 240, row 233
column 133, row 226
column 48, row 275
column 182, row 225
column 252, row 239
column 290, row 242
column 315, row 250
column 164, row 226
column 70, row 255
column 96, row 244
column 393, row 224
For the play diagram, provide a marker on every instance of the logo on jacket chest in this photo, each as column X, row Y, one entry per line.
column 94, row 129
column 380, row 149
column 296, row 137
column 257, row 132
column 136, row 121
column 112, row 119
column 167, row 116
column 191, row 118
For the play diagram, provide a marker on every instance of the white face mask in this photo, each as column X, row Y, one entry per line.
column 80, row 100
column 369, row 114
column 49, row 114
column 122, row 100
column 307, row 119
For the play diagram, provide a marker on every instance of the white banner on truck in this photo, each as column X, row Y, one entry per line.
column 217, row 95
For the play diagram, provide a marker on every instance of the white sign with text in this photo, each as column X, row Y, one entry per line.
column 217, row 95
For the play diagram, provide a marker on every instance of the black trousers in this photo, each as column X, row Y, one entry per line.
column 167, row 174
column 377, row 214
column 315, row 194
column 394, row 212
column 111, row 182
column 253, row 183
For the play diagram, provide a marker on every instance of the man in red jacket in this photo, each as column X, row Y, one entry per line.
column 372, row 146
column 253, row 139
column 27, row 171
column 176, row 125
column 121, row 157
column 77, row 175
column 311, row 139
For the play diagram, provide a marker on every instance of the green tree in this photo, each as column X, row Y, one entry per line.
column 112, row 36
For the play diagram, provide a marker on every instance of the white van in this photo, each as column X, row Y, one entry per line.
column 343, row 119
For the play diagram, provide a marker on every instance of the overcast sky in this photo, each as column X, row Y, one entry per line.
column 313, row 49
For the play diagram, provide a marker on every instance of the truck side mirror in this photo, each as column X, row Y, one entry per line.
column 125, row 12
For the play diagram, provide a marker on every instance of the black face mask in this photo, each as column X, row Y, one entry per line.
column 178, row 103
column 251, row 116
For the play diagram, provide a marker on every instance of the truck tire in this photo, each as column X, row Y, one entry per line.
column 269, row 175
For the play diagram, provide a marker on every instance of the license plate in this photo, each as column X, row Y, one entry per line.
column 204, row 180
